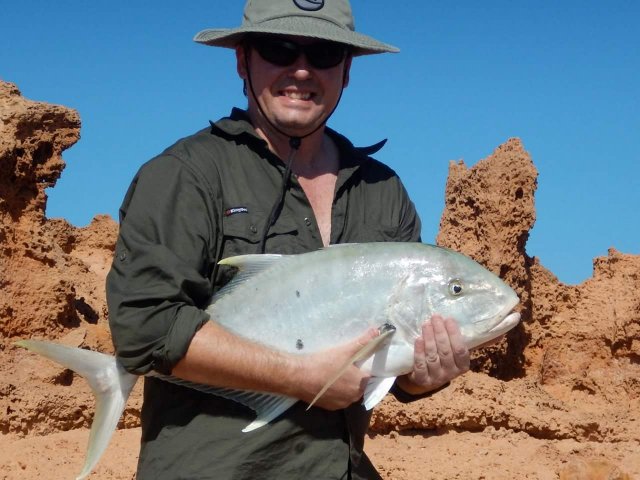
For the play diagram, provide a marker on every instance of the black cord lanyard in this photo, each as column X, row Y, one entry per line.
column 294, row 145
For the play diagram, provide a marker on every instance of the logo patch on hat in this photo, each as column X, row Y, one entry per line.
column 309, row 5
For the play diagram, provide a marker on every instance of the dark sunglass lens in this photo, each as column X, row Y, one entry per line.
column 325, row 54
column 284, row 53
column 277, row 52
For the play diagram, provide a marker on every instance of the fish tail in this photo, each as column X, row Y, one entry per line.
column 110, row 383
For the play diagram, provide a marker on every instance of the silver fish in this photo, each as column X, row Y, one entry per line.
column 314, row 301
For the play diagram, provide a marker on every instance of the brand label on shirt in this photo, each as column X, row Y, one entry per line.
column 232, row 211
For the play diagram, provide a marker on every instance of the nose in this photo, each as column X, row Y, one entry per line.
column 301, row 69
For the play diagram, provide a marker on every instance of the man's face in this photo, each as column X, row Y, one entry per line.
column 295, row 98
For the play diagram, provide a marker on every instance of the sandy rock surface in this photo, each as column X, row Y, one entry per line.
column 558, row 398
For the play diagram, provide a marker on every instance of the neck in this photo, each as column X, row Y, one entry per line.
column 312, row 146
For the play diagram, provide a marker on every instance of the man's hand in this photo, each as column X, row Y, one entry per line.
column 318, row 368
column 440, row 355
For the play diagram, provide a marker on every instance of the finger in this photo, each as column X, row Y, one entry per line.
column 443, row 344
column 419, row 358
column 365, row 338
column 366, row 345
column 430, row 345
column 458, row 346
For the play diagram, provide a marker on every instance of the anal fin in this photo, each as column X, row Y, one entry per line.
column 267, row 406
column 269, row 410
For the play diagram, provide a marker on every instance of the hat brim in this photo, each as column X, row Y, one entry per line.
column 296, row 26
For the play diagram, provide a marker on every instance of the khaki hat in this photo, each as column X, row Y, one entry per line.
column 325, row 19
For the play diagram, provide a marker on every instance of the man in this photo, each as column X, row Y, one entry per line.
column 271, row 179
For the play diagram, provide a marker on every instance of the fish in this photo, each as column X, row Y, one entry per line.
column 314, row 301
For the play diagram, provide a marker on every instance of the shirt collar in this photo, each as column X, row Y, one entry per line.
column 238, row 124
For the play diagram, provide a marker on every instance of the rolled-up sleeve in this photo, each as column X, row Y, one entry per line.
column 159, row 281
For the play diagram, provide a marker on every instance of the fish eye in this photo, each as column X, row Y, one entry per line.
column 455, row 287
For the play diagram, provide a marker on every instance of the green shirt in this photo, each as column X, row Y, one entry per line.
column 205, row 198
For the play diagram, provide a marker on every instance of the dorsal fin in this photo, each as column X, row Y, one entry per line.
column 248, row 266
column 339, row 245
column 255, row 262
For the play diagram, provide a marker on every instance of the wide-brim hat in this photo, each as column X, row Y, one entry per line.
column 323, row 19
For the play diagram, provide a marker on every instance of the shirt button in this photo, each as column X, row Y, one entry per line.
column 253, row 229
column 122, row 256
column 307, row 221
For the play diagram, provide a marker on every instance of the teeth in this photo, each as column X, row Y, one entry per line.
column 298, row 95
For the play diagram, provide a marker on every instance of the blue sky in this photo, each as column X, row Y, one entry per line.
column 562, row 76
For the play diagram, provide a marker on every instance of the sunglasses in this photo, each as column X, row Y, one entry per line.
column 284, row 53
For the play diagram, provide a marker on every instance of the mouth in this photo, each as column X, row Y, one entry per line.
column 482, row 337
column 506, row 324
column 297, row 95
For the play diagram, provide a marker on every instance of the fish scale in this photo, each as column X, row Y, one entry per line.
column 349, row 288
column 341, row 293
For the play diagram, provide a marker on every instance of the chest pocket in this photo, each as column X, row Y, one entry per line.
column 242, row 235
column 243, row 232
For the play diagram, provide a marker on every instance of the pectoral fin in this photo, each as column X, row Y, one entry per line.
column 385, row 331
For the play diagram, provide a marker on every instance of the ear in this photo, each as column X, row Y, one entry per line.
column 347, row 69
column 241, row 61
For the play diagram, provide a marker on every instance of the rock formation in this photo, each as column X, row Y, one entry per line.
column 52, row 274
column 558, row 396
column 570, row 369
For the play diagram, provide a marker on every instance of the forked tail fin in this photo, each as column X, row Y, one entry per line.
column 110, row 383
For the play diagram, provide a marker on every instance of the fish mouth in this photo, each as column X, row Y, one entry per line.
column 504, row 319
column 506, row 324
